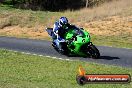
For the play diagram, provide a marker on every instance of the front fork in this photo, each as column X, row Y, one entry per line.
column 86, row 48
column 89, row 44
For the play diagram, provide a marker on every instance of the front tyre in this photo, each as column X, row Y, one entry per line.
column 93, row 51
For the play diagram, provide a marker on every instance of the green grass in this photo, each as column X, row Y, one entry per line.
column 114, row 41
column 29, row 18
column 27, row 71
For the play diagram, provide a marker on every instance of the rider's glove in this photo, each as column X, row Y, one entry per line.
column 56, row 32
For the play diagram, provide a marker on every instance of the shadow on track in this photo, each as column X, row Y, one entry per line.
column 108, row 57
column 101, row 57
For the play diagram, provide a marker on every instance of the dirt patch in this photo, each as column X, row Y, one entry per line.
column 17, row 31
column 110, row 26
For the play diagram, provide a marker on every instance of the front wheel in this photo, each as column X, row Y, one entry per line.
column 93, row 51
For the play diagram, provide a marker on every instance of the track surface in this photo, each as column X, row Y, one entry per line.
column 113, row 56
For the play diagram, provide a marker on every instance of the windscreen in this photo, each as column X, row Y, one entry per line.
column 78, row 32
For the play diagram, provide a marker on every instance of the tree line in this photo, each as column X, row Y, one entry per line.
column 54, row 5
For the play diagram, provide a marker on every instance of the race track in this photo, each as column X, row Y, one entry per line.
column 109, row 55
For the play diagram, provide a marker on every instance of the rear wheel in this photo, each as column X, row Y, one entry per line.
column 62, row 49
column 93, row 52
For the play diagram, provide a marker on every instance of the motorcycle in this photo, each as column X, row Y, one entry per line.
column 78, row 42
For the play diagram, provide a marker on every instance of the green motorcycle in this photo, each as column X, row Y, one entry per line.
column 77, row 43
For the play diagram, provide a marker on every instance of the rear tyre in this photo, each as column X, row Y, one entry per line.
column 55, row 47
column 62, row 49
column 93, row 52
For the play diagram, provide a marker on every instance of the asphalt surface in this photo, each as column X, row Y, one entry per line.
column 109, row 55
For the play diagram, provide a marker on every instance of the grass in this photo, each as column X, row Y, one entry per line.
column 114, row 41
column 28, row 17
column 114, row 8
column 27, row 71
column 103, row 19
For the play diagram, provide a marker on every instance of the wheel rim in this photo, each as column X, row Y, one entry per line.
column 92, row 53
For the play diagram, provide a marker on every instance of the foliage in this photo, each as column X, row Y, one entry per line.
column 54, row 5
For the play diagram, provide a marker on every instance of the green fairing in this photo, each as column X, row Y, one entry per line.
column 81, row 39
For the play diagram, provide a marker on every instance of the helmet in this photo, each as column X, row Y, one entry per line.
column 63, row 21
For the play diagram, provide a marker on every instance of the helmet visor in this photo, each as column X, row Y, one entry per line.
column 64, row 25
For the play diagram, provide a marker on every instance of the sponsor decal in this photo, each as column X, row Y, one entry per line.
column 83, row 78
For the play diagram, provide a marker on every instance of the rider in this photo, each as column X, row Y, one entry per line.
column 59, row 29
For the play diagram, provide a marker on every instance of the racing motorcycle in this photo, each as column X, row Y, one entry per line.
column 77, row 43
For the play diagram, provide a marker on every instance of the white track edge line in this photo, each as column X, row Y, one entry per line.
column 40, row 55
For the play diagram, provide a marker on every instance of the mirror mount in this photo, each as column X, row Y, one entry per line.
column 81, row 28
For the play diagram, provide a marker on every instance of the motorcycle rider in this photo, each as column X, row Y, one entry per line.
column 59, row 29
